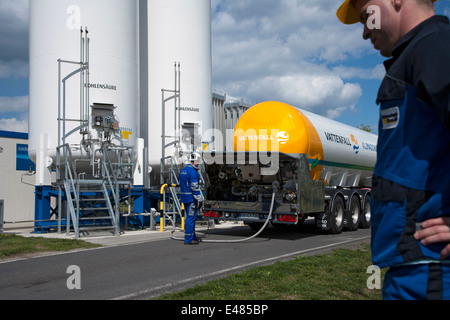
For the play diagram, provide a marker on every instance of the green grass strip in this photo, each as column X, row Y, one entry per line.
column 17, row 246
column 339, row 275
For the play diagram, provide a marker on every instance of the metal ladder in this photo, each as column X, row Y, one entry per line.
column 176, row 138
column 93, row 203
column 88, row 203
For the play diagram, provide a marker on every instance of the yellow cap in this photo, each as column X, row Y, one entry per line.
column 347, row 12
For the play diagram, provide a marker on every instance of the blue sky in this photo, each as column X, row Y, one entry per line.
column 294, row 51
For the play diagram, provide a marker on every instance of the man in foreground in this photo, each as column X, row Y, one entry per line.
column 411, row 183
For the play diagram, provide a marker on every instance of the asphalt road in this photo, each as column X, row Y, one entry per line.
column 147, row 269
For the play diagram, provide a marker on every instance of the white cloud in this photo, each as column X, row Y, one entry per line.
column 323, row 94
column 13, row 69
column 14, row 30
column 377, row 73
column 14, row 104
column 281, row 50
column 14, row 114
column 14, row 125
column 15, row 10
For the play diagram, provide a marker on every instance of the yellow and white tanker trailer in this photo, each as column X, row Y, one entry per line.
column 310, row 166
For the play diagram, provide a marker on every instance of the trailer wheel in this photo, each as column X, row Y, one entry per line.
column 366, row 220
column 355, row 213
column 337, row 215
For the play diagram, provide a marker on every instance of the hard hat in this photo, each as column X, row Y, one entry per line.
column 347, row 12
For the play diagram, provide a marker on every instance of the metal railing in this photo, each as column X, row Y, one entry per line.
column 2, row 217
column 113, row 175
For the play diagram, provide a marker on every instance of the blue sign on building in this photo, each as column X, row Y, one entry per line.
column 23, row 162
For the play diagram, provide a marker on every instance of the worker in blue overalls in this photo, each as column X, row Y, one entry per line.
column 191, row 197
column 411, row 182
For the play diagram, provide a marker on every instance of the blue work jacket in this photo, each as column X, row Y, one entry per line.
column 189, row 183
column 411, row 180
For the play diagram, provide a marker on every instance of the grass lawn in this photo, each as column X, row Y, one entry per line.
column 339, row 275
column 12, row 246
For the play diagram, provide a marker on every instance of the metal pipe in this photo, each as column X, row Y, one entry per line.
column 58, row 155
column 69, row 62
column 81, row 77
column 87, row 113
column 163, row 139
column 175, row 100
column 27, row 221
column 59, row 207
column 64, row 114
column 2, row 204
column 179, row 102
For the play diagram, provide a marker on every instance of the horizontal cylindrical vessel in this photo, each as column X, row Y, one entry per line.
column 339, row 154
column 113, row 59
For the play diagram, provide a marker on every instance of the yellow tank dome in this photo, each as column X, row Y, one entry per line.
column 276, row 126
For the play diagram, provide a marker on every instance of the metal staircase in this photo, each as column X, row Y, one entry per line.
column 93, row 200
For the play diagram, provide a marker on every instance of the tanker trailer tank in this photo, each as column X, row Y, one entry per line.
column 323, row 169
column 341, row 155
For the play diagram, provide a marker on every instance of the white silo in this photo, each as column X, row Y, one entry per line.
column 179, row 31
column 113, row 79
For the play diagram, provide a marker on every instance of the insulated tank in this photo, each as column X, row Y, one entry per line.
column 339, row 154
column 179, row 38
column 55, row 34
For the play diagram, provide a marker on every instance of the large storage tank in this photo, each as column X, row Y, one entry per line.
column 340, row 154
column 55, row 34
column 179, row 31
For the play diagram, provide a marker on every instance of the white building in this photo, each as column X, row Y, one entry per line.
column 16, row 187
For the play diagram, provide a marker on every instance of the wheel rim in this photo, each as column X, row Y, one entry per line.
column 367, row 213
column 355, row 213
column 339, row 214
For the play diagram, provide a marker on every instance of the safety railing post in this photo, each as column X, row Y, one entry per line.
column 2, row 204
column 183, row 217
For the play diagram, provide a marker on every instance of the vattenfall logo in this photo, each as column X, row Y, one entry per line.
column 355, row 144
column 351, row 142
column 344, row 140
column 338, row 139
column 254, row 137
column 282, row 137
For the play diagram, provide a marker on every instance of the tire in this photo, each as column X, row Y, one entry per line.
column 337, row 215
column 366, row 216
column 354, row 216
